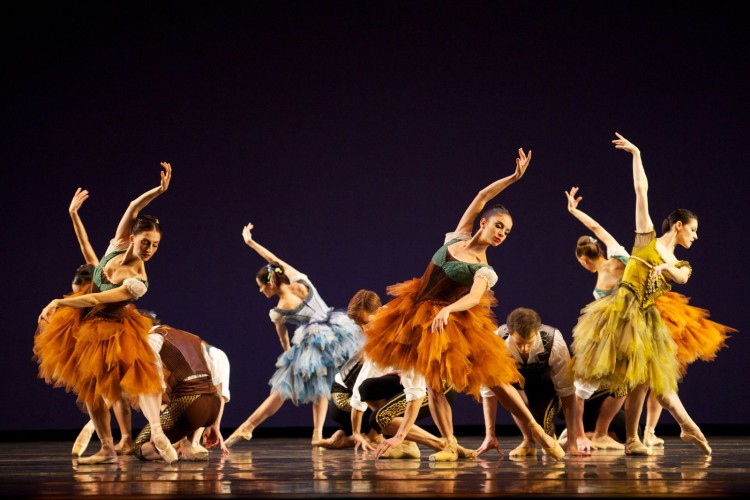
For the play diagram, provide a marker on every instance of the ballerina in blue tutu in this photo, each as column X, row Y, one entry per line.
column 322, row 342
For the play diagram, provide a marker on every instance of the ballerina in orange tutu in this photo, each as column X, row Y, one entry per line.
column 440, row 328
column 696, row 336
column 95, row 343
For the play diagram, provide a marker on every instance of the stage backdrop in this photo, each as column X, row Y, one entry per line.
column 353, row 135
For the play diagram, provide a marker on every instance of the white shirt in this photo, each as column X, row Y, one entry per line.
column 415, row 386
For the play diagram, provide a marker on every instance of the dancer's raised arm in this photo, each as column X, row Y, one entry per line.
column 83, row 239
column 477, row 205
column 265, row 253
column 588, row 221
column 138, row 204
column 643, row 223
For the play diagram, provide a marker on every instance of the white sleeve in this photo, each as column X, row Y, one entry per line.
column 219, row 364
column 156, row 342
column 415, row 386
column 136, row 287
column 559, row 366
column 585, row 390
column 275, row 316
column 460, row 235
column 617, row 251
column 488, row 274
column 368, row 370
column 115, row 245
column 299, row 277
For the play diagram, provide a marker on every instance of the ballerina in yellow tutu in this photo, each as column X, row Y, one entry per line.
column 440, row 328
column 696, row 336
column 622, row 340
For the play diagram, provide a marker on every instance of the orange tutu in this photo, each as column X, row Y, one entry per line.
column 467, row 354
column 696, row 336
column 98, row 355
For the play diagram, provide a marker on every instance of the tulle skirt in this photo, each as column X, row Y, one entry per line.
column 467, row 354
column 306, row 370
column 696, row 336
column 98, row 355
column 620, row 345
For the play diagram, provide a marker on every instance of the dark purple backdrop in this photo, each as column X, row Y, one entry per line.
column 353, row 135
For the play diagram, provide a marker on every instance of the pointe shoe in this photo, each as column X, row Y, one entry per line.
column 393, row 453
column 83, row 439
column 634, row 446
column 125, row 448
column 466, row 453
column 164, row 448
column 650, row 439
column 240, row 433
column 449, row 453
column 410, row 450
column 606, row 443
column 696, row 438
column 191, row 452
column 563, row 439
column 521, row 451
column 100, row 457
column 542, row 438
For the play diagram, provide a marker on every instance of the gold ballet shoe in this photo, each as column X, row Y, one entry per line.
column 650, row 439
column 190, row 452
column 466, row 453
column 521, row 451
column 164, row 448
column 449, row 453
column 410, row 450
column 393, row 453
column 100, row 457
column 242, row 432
column 695, row 437
column 634, row 446
column 125, row 448
column 83, row 439
column 542, row 438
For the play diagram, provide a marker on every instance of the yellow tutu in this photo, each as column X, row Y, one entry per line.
column 620, row 345
column 467, row 354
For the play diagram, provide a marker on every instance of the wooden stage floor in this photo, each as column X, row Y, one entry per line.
column 290, row 468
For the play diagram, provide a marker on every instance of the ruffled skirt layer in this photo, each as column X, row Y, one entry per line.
column 620, row 345
column 467, row 354
column 306, row 370
column 105, row 357
column 696, row 336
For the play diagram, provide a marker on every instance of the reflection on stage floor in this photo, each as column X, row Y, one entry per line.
column 291, row 468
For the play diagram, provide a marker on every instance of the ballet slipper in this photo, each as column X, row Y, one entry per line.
column 125, row 447
column 164, row 448
column 83, row 439
column 410, row 450
column 563, row 439
column 606, row 443
column 694, row 436
column 634, row 446
column 449, row 453
column 189, row 451
column 650, row 439
column 242, row 432
column 393, row 454
column 465, row 453
column 101, row 456
column 521, row 451
column 553, row 450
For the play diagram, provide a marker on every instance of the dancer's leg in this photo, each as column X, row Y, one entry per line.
column 319, row 410
column 100, row 418
column 653, row 412
column 511, row 400
column 267, row 409
column 690, row 430
column 607, row 411
column 124, row 419
column 151, row 407
column 633, row 409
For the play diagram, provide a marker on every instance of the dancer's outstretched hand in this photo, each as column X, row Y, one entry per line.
column 522, row 163
column 441, row 320
column 572, row 200
column 361, row 441
column 166, row 176
column 78, row 199
column 490, row 443
column 622, row 143
column 388, row 445
column 247, row 234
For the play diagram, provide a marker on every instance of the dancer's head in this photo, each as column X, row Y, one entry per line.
column 145, row 235
column 363, row 306
column 495, row 225
column 270, row 278
column 523, row 325
column 588, row 252
column 83, row 276
column 684, row 224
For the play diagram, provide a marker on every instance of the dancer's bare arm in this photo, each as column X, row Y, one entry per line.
column 643, row 223
column 607, row 239
column 138, row 204
column 87, row 250
column 265, row 253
